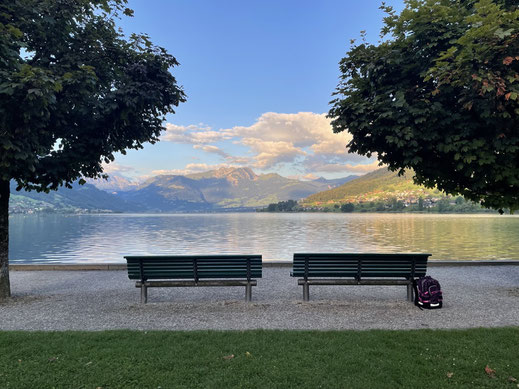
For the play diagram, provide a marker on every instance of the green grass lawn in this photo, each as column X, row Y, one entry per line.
column 260, row 359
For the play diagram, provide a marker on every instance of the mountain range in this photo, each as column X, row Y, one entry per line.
column 215, row 190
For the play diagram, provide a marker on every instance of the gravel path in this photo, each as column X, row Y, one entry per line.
column 479, row 296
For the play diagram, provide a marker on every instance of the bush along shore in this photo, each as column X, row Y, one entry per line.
column 391, row 205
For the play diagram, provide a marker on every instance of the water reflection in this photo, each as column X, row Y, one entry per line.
column 107, row 238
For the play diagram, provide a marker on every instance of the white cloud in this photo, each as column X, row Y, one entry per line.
column 239, row 161
column 269, row 153
column 304, row 177
column 115, row 168
column 275, row 139
column 346, row 167
column 212, row 149
column 303, row 129
column 231, row 159
column 285, row 137
column 193, row 134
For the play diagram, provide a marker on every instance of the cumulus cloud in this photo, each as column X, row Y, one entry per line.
column 304, row 177
column 212, row 149
column 271, row 153
column 303, row 129
column 193, row 134
column 231, row 159
column 115, row 168
column 347, row 167
column 276, row 139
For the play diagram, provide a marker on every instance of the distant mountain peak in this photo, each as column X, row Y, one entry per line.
column 240, row 172
column 231, row 174
column 320, row 179
column 114, row 183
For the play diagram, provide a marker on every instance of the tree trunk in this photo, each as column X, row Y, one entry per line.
column 5, row 286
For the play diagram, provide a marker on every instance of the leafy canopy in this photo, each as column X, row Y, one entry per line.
column 439, row 95
column 74, row 90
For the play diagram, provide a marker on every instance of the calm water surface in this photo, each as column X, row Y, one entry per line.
column 107, row 238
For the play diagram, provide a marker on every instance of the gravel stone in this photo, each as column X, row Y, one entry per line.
column 475, row 296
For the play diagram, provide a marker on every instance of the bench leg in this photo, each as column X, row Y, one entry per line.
column 410, row 292
column 306, row 292
column 248, row 292
column 144, row 294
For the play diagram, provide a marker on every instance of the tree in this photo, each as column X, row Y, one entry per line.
column 73, row 91
column 282, row 206
column 440, row 95
column 347, row 207
column 443, row 205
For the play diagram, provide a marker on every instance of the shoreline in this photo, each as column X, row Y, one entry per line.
column 231, row 211
column 266, row 263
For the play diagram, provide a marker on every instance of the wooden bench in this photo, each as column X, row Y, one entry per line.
column 358, row 269
column 194, row 270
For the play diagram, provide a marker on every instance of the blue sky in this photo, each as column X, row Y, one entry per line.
column 259, row 77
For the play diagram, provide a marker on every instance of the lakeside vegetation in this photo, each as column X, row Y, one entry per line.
column 478, row 358
column 380, row 191
column 391, row 205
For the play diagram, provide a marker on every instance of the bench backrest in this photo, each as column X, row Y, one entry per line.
column 359, row 265
column 194, row 266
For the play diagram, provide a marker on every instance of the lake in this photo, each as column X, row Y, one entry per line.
column 106, row 238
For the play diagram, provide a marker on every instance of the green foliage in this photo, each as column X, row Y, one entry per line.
column 282, row 206
column 440, row 96
column 393, row 205
column 348, row 207
column 260, row 359
column 74, row 90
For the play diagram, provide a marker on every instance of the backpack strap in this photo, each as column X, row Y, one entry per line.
column 415, row 287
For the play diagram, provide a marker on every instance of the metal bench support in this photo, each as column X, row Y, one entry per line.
column 248, row 292
column 158, row 284
column 144, row 293
column 341, row 281
column 410, row 291
column 306, row 291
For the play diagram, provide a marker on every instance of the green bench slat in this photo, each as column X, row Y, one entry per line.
column 200, row 266
column 363, row 269
column 340, row 266
column 191, row 276
column 348, row 260
column 189, row 258
column 190, row 266
column 353, row 274
column 339, row 269
column 182, row 267
column 347, row 265
column 188, row 271
column 354, row 263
